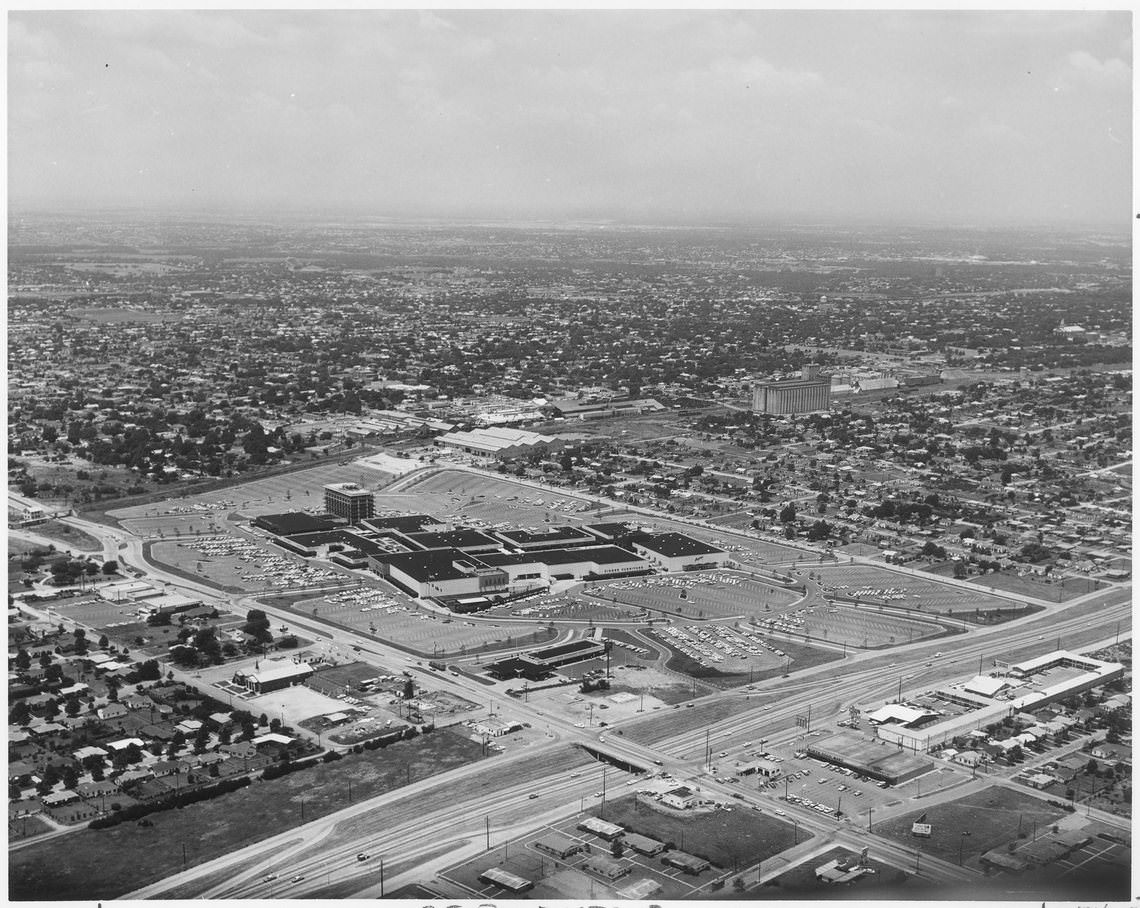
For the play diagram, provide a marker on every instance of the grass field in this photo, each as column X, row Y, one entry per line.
column 103, row 864
column 68, row 535
column 975, row 824
column 1029, row 585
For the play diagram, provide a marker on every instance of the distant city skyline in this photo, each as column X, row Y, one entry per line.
column 964, row 117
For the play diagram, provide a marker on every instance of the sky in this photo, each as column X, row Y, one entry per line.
column 637, row 116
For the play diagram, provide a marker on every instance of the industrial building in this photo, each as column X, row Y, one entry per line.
column 808, row 394
column 348, row 500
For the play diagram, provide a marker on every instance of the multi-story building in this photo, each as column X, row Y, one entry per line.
column 348, row 500
column 807, row 394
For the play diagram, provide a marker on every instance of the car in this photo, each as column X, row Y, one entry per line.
column 883, row 784
column 531, row 797
column 597, row 794
column 842, row 788
column 269, row 878
column 297, row 879
column 859, row 794
column 780, row 813
column 362, row 856
column 738, row 796
column 724, row 753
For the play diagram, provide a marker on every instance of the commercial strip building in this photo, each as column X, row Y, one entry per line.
column 539, row 664
column 1008, row 690
column 874, row 759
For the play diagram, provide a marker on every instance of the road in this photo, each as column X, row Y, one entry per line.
column 447, row 813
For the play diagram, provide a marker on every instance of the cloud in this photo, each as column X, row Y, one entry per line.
column 1084, row 68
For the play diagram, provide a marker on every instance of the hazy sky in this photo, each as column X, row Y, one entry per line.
column 970, row 117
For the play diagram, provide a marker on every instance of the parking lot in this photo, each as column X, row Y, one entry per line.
column 708, row 594
column 881, row 586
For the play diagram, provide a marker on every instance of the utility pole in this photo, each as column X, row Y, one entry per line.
column 487, row 825
column 381, row 878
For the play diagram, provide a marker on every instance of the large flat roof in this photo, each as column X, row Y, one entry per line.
column 673, row 545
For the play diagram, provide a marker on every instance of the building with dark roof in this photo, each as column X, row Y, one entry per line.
column 408, row 523
column 552, row 538
column 291, row 523
column 675, row 551
column 439, row 573
column 466, row 540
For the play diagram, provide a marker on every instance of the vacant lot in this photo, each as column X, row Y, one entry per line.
column 105, row 863
column 68, row 535
column 974, row 824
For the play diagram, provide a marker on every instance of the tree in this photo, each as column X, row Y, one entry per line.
column 933, row 550
column 788, row 513
column 23, row 660
column 20, row 714
column 111, row 567
column 960, row 572
column 617, row 849
column 819, row 531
